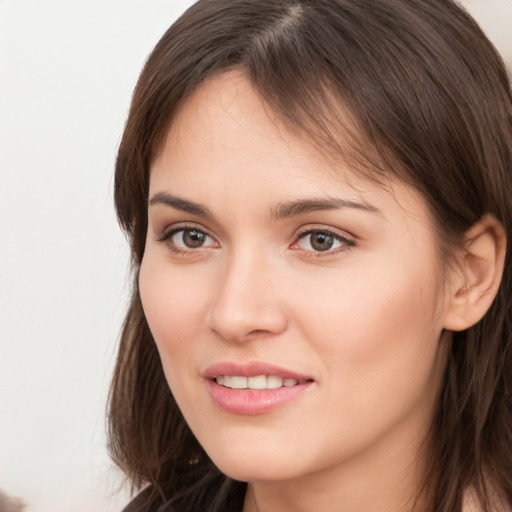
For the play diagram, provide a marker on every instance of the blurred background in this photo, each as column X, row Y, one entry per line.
column 67, row 70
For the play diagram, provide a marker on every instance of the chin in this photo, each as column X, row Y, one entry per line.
column 250, row 461
column 256, row 471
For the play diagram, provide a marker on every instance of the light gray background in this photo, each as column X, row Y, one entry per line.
column 67, row 69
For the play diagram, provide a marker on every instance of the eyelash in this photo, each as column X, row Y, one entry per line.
column 168, row 235
column 346, row 243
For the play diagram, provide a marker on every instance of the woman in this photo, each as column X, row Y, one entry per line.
column 317, row 195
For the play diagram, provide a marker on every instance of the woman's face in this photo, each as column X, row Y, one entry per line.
column 297, row 311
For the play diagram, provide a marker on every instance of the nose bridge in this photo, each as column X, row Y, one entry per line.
column 246, row 301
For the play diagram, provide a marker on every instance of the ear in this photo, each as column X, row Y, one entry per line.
column 476, row 275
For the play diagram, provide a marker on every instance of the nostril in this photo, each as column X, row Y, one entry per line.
column 258, row 333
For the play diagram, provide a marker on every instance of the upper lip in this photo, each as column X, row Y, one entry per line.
column 251, row 369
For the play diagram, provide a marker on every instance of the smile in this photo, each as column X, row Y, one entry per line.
column 254, row 387
column 255, row 383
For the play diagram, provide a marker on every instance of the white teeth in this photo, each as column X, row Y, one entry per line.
column 257, row 382
column 238, row 382
column 274, row 382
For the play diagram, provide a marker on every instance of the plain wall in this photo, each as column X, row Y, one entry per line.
column 67, row 70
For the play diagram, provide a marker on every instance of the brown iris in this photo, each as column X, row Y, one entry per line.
column 193, row 239
column 321, row 241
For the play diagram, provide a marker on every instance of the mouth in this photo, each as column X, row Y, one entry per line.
column 258, row 382
column 254, row 388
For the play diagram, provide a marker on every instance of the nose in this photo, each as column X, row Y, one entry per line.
column 246, row 303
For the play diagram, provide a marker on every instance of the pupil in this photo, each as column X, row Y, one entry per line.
column 322, row 241
column 193, row 238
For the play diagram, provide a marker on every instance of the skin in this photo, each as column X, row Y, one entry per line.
column 363, row 319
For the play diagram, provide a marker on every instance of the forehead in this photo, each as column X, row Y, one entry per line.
column 226, row 139
column 225, row 118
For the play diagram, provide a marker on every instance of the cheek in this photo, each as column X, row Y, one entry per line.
column 378, row 305
column 172, row 306
column 379, row 339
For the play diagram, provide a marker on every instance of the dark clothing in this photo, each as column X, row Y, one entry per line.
column 139, row 503
column 218, row 495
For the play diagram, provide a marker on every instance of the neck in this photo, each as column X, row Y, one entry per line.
column 378, row 480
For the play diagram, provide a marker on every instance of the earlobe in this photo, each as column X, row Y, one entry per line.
column 477, row 274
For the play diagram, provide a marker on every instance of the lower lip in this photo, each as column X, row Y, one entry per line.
column 249, row 401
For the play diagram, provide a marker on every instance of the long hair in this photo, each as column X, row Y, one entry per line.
column 429, row 101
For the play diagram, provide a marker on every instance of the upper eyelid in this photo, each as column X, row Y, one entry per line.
column 171, row 229
column 161, row 224
column 341, row 233
column 168, row 234
column 176, row 227
column 347, row 240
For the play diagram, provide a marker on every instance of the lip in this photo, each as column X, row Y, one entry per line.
column 251, row 369
column 248, row 401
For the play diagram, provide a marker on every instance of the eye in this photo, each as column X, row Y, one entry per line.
column 185, row 239
column 320, row 241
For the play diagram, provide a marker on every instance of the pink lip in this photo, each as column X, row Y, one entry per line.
column 248, row 401
column 251, row 369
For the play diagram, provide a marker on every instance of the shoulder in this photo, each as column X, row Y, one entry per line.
column 143, row 502
column 225, row 495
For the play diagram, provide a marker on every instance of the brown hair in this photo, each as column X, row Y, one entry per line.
column 430, row 96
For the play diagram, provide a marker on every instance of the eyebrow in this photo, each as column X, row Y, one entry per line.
column 303, row 206
column 179, row 204
column 282, row 210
